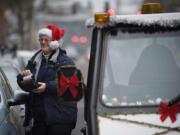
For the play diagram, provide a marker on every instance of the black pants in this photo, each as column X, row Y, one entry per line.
column 43, row 129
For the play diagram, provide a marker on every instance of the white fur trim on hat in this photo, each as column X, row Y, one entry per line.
column 45, row 31
column 55, row 44
column 61, row 42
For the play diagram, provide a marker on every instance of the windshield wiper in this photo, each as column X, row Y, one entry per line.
column 174, row 100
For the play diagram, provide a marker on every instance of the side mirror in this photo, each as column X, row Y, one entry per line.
column 18, row 99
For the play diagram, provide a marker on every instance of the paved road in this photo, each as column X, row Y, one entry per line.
column 80, row 120
column 82, row 63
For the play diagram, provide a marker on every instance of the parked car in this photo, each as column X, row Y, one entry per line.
column 10, row 120
column 11, row 71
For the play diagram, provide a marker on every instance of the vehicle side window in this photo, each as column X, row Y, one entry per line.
column 4, row 87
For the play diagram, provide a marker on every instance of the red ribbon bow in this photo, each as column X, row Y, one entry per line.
column 71, row 83
column 168, row 111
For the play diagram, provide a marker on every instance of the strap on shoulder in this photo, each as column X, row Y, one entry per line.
column 31, row 62
column 34, row 56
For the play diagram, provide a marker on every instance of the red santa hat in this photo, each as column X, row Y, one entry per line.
column 55, row 34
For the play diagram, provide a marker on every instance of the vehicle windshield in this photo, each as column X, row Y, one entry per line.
column 11, row 74
column 141, row 68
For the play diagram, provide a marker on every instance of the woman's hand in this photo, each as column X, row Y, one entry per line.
column 41, row 88
column 26, row 73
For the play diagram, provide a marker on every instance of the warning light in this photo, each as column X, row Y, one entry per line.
column 150, row 8
column 101, row 18
column 138, row 12
column 74, row 39
column 111, row 11
column 83, row 39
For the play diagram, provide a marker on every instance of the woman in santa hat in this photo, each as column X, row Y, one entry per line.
column 51, row 114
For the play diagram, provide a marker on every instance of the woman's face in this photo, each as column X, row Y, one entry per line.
column 45, row 42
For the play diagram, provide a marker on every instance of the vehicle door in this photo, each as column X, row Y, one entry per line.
column 10, row 122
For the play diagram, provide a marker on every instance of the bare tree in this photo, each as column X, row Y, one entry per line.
column 3, row 22
column 23, row 10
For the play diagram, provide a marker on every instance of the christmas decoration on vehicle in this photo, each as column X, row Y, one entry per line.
column 70, row 83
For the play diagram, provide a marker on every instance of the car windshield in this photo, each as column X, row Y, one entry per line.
column 141, row 68
column 11, row 74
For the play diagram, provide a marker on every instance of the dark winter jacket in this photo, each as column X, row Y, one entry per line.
column 48, row 107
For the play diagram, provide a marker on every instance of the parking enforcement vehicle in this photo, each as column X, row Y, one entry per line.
column 133, row 84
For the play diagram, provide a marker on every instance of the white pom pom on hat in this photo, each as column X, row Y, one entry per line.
column 55, row 34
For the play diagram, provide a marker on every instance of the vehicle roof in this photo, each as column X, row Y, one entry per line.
column 171, row 20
